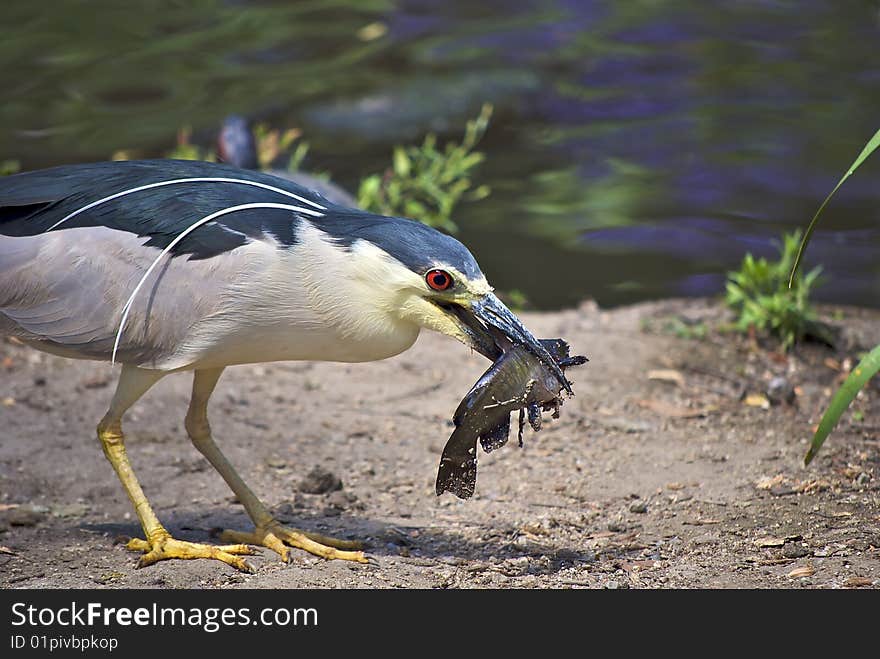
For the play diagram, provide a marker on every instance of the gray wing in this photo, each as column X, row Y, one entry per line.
column 65, row 291
column 76, row 240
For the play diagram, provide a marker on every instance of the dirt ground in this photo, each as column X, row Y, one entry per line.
column 668, row 468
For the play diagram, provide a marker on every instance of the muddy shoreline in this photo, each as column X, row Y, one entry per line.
column 666, row 469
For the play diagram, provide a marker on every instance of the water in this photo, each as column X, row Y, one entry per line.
column 638, row 148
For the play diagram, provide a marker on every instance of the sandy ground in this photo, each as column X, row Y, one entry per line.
column 667, row 469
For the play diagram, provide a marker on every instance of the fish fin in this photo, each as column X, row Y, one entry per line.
column 534, row 411
column 458, row 466
column 496, row 437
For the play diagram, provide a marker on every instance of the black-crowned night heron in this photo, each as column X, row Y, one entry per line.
column 168, row 265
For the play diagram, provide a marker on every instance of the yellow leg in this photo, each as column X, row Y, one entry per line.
column 159, row 544
column 268, row 531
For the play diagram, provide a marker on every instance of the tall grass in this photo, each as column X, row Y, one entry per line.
column 870, row 364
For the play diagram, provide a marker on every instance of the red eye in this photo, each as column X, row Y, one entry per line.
column 439, row 280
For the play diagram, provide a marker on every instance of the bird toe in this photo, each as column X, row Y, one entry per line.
column 166, row 548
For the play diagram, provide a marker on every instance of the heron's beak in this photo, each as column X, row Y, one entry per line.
column 492, row 329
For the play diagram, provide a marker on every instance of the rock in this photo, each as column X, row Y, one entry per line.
column 340, row 499
column 780, row 390
column 288, row 508
column 70, row 510
column 705, row 539
column 588, row 556
column 795, row 551
column 571, row 556
column 514, row 567
column 638, row 507
column 25, row 516
column 320, row 481
column 276, row 463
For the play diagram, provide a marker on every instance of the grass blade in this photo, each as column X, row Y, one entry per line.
column 860, row 375
column 870, row 147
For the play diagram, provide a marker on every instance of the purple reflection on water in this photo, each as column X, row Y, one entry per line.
column 653, row 70
column 683, row 239
column 710, row 240
column 582, row 13
column 406, row 26
column 622, row 107
column 661, row 32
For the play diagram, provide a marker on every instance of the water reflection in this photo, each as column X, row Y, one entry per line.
column 637, row 148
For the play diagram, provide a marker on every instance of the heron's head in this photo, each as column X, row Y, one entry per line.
column 438, row 285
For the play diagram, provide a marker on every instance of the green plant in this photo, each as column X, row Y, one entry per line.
column 679, row 328
column 426, row 183
column 186, row 150
column 272, row 142
column 423, row 183
column 869, row 366
column 675, row 326
column 760, row 295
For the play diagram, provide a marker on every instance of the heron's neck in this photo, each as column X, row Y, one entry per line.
column 358, row 290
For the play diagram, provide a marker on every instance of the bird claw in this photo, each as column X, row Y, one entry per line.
column 165, row 547
column 278, row 538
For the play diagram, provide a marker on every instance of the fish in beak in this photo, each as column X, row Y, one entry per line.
column 493, row 329
column 516, row 381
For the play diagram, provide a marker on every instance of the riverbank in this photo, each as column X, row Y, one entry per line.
column 677, row 464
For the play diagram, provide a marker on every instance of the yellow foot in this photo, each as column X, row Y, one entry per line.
column 165, row 547
column 276, row 536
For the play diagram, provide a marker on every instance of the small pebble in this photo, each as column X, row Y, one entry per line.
column 795, row 551
column 780, row 390
column 584, row 555
column 705, row 539
column 320, row 481
column 341, row 499
column 638, row 507
column 276, row 463
column 24, row 516
column 289, row 508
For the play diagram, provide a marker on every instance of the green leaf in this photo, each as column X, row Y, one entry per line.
column 860, row 375
column 401, row 162
column 427, row 182
column 870, row 147
column 369, row 192
column 298, row 156
column 415, row 209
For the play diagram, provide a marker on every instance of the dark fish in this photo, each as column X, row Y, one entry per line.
column 516, row 381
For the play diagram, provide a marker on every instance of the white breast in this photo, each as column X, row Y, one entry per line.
column 312, row 301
